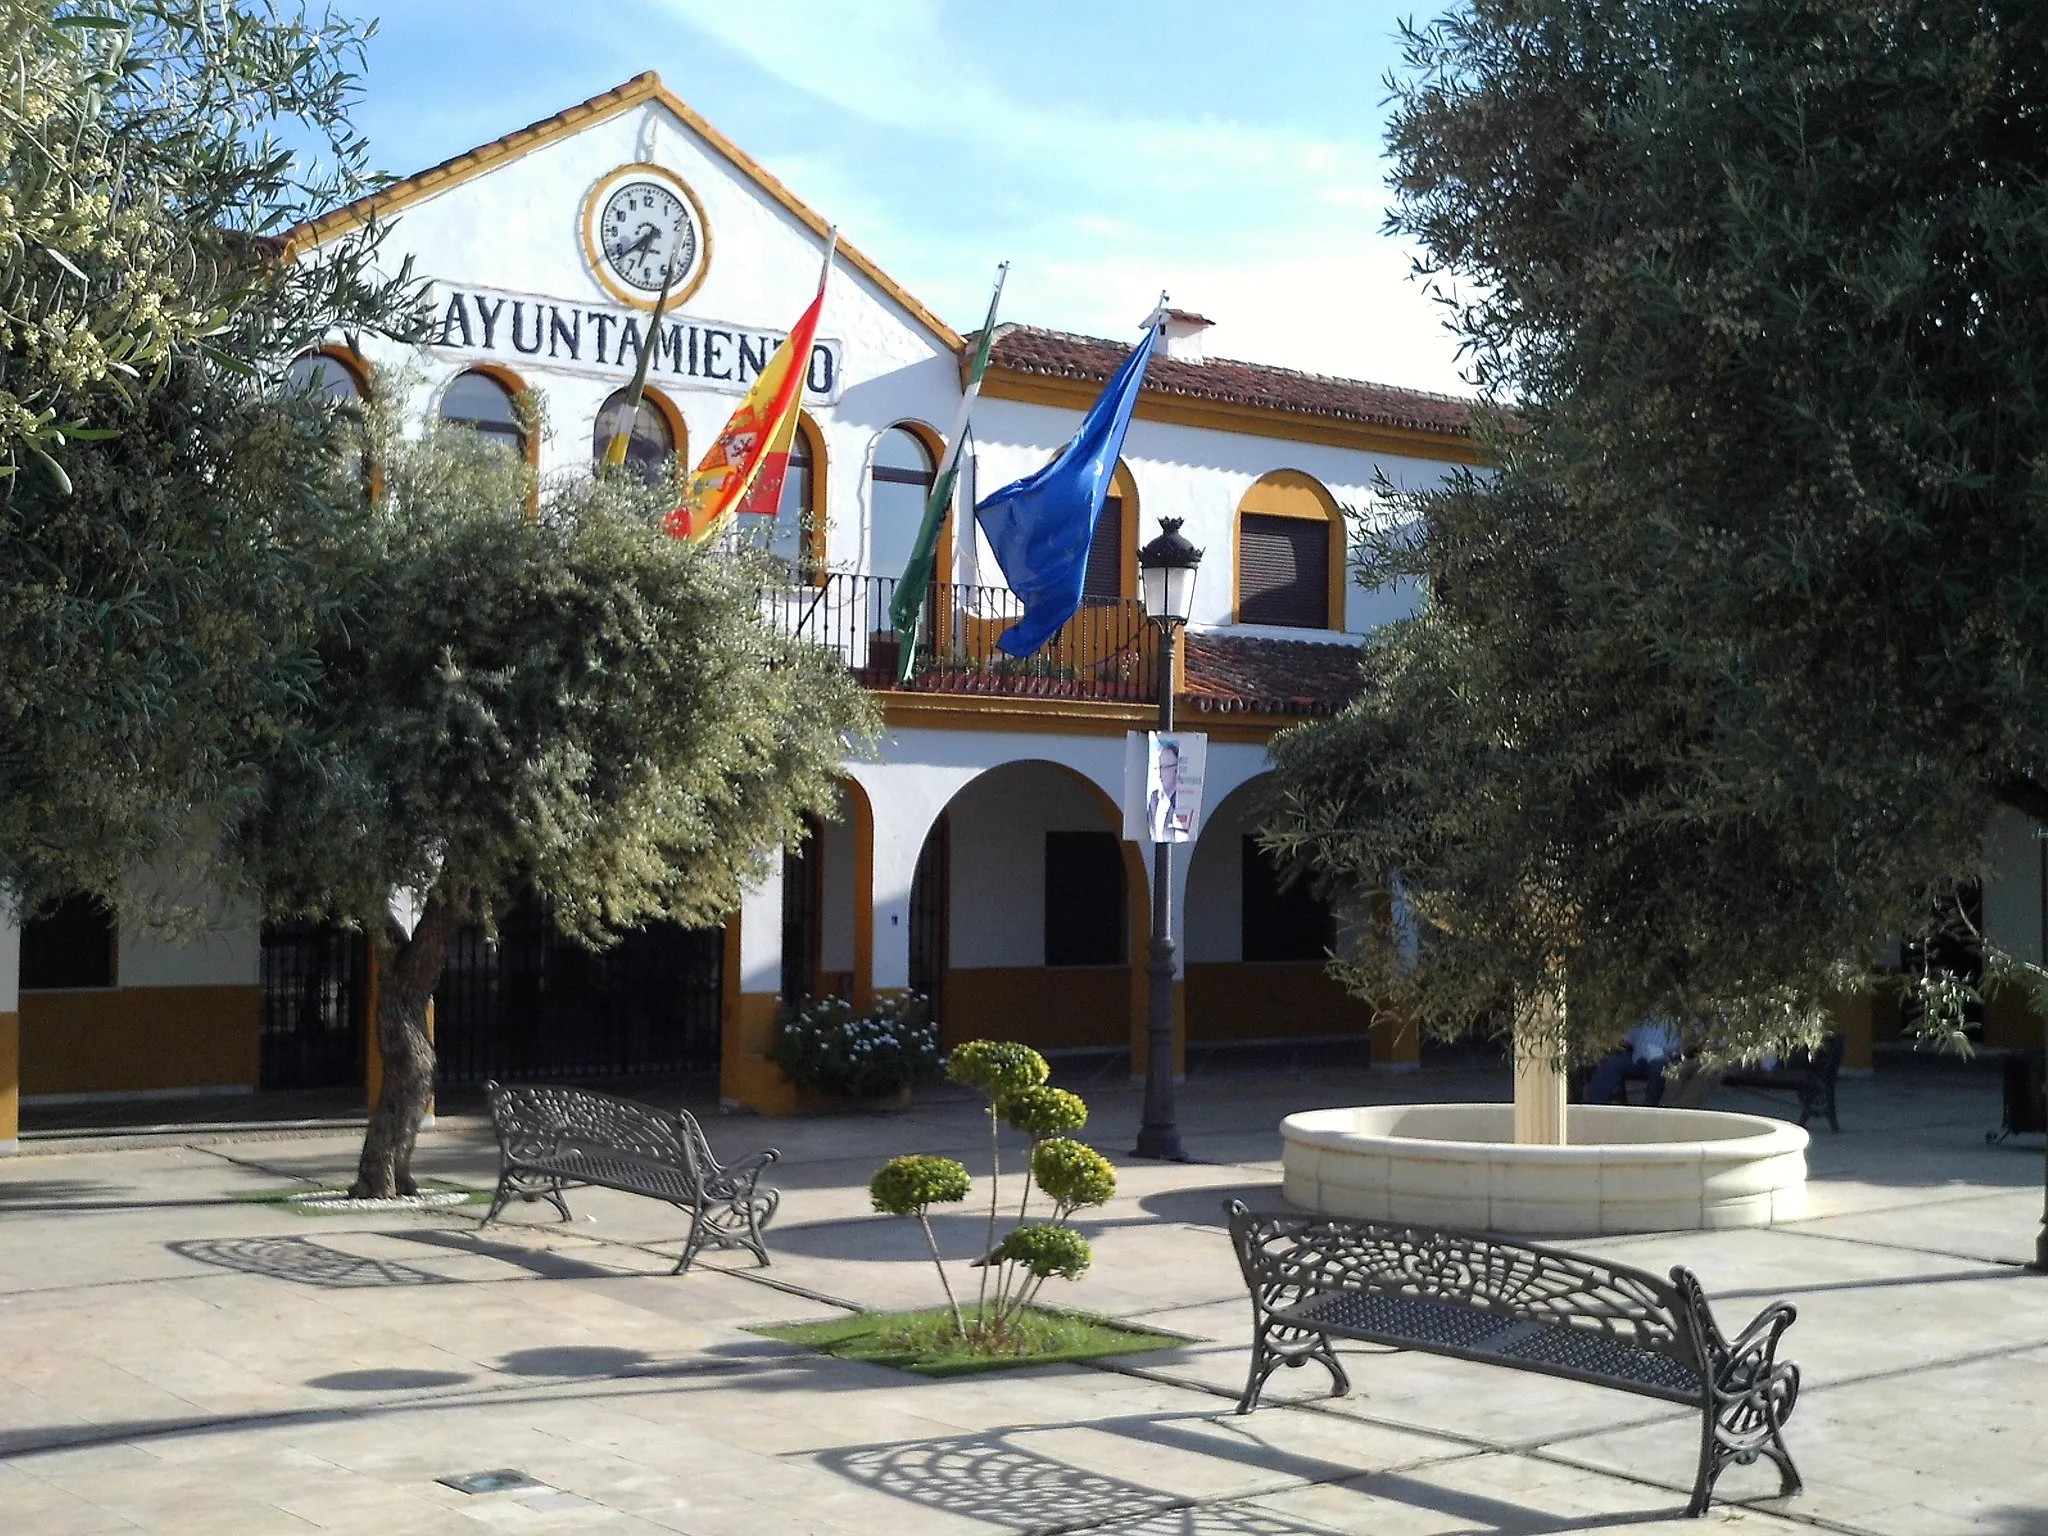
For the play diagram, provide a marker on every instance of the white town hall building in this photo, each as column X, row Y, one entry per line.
column 977, row 855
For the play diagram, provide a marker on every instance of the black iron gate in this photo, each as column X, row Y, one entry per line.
column 314, row 994
column 536, row 1004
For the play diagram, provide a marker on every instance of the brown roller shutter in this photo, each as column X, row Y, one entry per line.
column 1283, row 572
column 1105, row 579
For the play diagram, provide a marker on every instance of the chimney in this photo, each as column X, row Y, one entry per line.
column 1180, row 334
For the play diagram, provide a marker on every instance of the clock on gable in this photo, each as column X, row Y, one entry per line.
column 639, row 221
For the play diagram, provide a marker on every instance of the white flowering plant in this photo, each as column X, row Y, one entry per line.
column 826, row 1044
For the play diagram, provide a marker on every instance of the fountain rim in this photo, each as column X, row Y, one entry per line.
column 1763, row 1136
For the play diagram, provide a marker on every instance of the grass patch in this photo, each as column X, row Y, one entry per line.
column 925, row 1342
column 296, row 1199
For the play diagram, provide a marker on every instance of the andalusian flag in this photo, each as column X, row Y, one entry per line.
column 744, row 469
column 907, row 608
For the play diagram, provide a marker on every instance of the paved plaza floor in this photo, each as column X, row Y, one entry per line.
column 174, row 1359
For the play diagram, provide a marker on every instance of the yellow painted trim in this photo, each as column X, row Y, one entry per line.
column 1125, row 485
column 813, row 536
column 593, row 252
column 1292, row 493
column 402, row 194
column 10, row 1076
column 1078, row 395
column 1071, row 717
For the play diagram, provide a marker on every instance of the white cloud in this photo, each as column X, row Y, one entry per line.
column 1273, row 232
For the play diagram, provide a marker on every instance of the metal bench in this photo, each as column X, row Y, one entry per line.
column 551, row 1139
column 1810, row 1075
column 1318, row 1278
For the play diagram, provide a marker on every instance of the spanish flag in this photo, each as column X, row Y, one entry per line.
column 744, row 469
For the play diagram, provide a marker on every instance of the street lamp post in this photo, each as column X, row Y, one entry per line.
column 1166, row 577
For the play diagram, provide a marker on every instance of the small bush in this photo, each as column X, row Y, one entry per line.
column 904, row 1186
column 1073, row 1173
column 1048, row 1251
column 825, row 1045
column 1043, row 1111
column 997, row 1068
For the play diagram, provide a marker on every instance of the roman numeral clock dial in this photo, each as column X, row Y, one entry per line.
column 639, row 224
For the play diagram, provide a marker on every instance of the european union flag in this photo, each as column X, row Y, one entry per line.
column 1040, row 527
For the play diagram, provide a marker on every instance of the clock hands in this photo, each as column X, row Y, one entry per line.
column 647, row 236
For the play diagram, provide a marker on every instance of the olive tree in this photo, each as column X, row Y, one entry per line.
column 537, row 688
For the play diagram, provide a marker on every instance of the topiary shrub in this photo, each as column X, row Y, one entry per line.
column 1012, row 1077
column 911, row 1186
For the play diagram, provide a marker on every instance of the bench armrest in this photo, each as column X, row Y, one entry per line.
column 737, row 1179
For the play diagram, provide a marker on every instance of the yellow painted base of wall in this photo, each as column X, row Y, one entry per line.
column 1053, row 1008
column 2009, row 1023
column 132, row 1039
column 10, row 1077
column 745, row 1074
column 1275, row 1000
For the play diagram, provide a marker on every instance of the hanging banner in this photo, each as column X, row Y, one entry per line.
column 1163, row 785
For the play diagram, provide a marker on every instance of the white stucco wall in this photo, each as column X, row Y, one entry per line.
column 999, row 824
column 223, row 948
column 2012, row 885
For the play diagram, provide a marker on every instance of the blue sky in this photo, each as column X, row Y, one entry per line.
column 1229, row 153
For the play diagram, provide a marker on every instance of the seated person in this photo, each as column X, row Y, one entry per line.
column 1640, row 1057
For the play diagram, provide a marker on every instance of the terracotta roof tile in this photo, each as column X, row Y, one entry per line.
column 1056, row 354
column 1250, row 673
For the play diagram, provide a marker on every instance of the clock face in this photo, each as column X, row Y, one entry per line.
column 640, row 226
column 648, row 231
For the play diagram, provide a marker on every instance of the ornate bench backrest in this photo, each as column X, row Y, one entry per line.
column 1286, row 1257
column 538, row 1119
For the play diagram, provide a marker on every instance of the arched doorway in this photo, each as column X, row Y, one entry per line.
column 828, row 904
column 1257, row 940
column 1029, row 913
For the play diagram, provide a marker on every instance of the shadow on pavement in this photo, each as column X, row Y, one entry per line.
column 302, row 1261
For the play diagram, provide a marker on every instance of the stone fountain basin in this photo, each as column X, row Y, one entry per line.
column 1623, row 1169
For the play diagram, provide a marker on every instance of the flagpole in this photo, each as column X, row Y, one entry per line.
column 615, row 450
column 906, row 607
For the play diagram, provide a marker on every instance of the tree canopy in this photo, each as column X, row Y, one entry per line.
column 1732, row 651
column 526, row 688
column 160, row 497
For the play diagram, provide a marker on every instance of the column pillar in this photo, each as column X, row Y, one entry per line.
column 753, row 997
column 1855, row 1015
column 10, row 1027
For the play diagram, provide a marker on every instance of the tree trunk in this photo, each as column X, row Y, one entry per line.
column 1539, row 1052
column 406, row 989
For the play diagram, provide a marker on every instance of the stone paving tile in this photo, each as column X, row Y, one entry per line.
column 240, row 1368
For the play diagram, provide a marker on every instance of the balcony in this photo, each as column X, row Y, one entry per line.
column 1106, row 652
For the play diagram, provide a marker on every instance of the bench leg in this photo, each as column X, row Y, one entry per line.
column 1268, row 1357
column 1740, row 1429
column 510, row 1185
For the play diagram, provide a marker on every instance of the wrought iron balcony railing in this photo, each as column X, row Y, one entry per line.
column 1106, row 651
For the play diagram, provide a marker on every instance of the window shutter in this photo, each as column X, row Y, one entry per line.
column 1084, row 899
column 1105, row 579
column 1283, row 572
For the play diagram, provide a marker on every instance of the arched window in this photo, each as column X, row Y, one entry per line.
column 900, row 483
column 654, row 439
column 1112, row 553
column 481, row 402
column 1290, row 554
column 328, row 374
column 799, row 533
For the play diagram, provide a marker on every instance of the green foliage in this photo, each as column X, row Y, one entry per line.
column 1073, row 1173
column 824, row 1044
column 166, row 555
column 1043, row 1111
column 1047, row 1251
column 930, row 1344
column 1730, row 656
column 997, row 1068
column 1013, row 1079
column 147, row 183
column 906, row 1186
column 564, row 698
